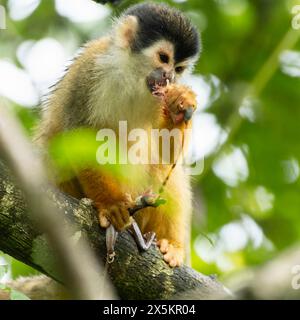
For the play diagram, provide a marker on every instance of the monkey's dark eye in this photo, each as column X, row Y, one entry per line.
column 164, row 58
column 179, row 69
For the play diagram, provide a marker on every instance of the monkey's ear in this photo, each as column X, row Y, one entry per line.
column 126, row 29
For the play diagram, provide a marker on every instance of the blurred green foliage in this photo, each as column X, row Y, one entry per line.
column 247, row 45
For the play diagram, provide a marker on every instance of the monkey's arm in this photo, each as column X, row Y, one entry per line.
column 178, row 104
column 105, row 191
column 113, row 206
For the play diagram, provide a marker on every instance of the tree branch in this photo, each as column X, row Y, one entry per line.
column 135, row 275
column 108, row 1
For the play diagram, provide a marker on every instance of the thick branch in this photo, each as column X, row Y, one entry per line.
column 135, row 275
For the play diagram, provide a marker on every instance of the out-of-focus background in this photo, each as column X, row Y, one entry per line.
column 247, row 199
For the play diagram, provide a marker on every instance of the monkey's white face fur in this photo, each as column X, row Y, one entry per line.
column 122, row 77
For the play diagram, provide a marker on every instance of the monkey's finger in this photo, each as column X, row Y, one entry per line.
column 129, row 202
column 116, row 223
column 168, row 259
column 173, row 263
column 116, row 218
column 163, row 245
column 125, row 216
column 104, row 222
column 169, row 256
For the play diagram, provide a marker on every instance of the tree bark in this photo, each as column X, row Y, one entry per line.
column 135, row 274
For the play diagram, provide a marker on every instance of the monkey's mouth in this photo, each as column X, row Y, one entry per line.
column 158, row 78
column 154, row 85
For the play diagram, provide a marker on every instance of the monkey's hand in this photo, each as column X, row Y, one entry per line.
column 172, row 252
column 179, row 103
column 117, row 215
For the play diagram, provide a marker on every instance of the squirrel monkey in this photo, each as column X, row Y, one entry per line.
column 115, row 78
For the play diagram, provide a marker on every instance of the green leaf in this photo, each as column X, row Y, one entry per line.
column 160, row 201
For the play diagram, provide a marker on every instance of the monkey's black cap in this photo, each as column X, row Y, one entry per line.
column 159, row 21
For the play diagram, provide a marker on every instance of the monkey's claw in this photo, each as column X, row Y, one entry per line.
column 173, row 254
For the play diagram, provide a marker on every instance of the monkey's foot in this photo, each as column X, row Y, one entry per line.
column 180, row 103
column 173, row 254
column 117, row 215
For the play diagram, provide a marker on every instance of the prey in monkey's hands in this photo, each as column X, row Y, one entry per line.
column 178, row 102
column 132, row 75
